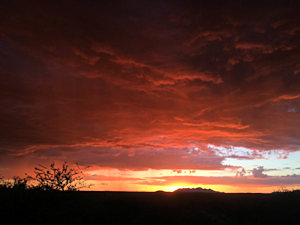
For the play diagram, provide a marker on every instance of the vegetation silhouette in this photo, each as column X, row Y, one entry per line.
column 51, row 196
column 17, row 184
column 58, row 179
column 52, row 178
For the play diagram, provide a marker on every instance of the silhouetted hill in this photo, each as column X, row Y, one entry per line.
column 287, row 191
column 199, row 190
column 119, row 208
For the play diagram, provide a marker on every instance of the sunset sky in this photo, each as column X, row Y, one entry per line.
column 153, row 95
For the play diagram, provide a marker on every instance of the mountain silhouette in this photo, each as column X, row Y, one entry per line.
column 198, row 189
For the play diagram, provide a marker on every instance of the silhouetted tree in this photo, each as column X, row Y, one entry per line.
column 60, row 179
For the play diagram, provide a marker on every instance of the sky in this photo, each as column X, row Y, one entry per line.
column 153, row 95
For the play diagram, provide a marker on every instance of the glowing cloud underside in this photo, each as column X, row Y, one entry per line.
column 153, row 96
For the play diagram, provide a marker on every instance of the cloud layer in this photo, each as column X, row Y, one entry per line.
column 141, row 85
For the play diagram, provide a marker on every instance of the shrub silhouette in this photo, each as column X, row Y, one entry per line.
column 17, row 184
column 58, row 179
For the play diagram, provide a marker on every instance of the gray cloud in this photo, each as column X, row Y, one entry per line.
column 259, row 172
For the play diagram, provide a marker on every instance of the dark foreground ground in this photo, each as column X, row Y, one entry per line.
column 86, row 208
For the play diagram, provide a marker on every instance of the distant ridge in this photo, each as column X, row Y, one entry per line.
column 199, row 189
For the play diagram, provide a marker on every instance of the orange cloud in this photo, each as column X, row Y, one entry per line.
column 137, row 89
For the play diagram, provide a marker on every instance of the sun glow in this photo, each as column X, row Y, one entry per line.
column 219, row 188
column 175, row 187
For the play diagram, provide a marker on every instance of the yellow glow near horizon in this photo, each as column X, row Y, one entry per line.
column 223, row 188
column 176, row 186
column 128, row 186
column 124, row 180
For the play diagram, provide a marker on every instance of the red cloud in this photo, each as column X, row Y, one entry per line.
column 125, row 88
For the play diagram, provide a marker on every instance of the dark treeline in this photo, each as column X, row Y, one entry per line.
column 83, row 208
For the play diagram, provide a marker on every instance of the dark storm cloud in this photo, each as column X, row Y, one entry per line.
column 166, row 74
